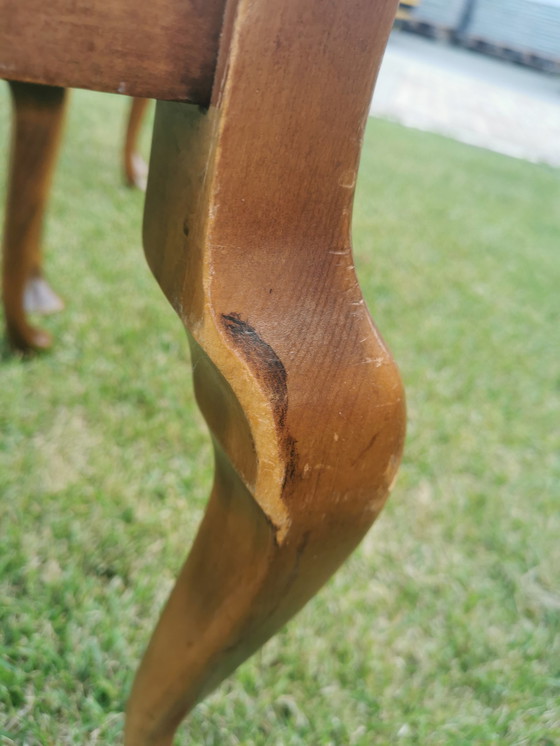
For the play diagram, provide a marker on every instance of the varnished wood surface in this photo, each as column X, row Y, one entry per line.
column 164, row 49
column 247, row 230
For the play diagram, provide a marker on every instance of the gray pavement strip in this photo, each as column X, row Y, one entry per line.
column 481, row 101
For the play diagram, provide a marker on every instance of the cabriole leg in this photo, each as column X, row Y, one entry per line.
column 247, row 230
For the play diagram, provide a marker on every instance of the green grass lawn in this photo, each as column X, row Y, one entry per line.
column 444, row 627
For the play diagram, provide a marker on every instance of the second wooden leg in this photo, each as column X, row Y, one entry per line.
column 135, row 168
column 38, row 120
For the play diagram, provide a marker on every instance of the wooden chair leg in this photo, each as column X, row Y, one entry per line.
column 247, row 230
column 38, row 119
column 135, row 167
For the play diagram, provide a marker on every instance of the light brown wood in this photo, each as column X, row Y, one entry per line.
column 135, row 167
column 247, row 230
column 165, row 49
column 38, row 119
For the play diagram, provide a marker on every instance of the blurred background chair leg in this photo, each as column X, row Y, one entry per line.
column 135, row 167
column 37, row 126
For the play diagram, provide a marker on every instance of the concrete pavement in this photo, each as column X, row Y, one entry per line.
column 464, row 95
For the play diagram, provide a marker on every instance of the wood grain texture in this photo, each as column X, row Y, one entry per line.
column 165, row 49
column 38, row 115
column 247, row 230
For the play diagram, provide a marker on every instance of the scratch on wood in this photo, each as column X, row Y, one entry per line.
column 271, row 373
column 264, row 362
column 367, row 448
column 291, row 462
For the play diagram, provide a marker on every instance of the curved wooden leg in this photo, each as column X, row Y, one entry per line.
column 38, row 119
column 135, row 167
column 247, row 231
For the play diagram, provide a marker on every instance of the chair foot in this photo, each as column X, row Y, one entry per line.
column 27, row 338
column 136, row 172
